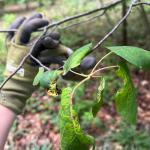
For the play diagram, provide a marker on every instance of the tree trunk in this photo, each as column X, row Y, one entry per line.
column 125, row 24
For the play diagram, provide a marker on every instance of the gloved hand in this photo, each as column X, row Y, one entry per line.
column 86, row 65
column 48, row 50
column 19, row 88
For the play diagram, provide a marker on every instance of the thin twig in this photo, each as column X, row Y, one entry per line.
column 70, row 19
column 85, row 14
column 142, row 3
column 84, row 21
column 80, row 83
column 145, row 18
column 116, row 26
column 110, row 5
column 8, row 30
column 106, row 14
column 104, row 68
column 18, row 68
column 99, row 43
column 101, row 61
column 83, row 75
column 40, row 64
column 23, row 60
column 79, row 15
column 27, row 56
column 79, row 74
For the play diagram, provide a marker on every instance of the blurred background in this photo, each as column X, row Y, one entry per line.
column 37, row 128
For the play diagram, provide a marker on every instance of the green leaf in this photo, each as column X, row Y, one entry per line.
column 126, row 97
column 136, row 56
column 98, row 104
column 49, row 77
column 75, row 59
column 72, row 136
column 38, row 76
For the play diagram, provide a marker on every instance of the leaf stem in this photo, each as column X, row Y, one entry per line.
column 80, row 83
column 100, row 61
column 83, row 75
column 104, row 68
column 87, row 78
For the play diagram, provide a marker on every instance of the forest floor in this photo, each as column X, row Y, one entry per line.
column 38, row 128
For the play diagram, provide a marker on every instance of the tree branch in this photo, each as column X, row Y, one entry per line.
column 133, row 3
column 18, row 68
column 116, row 26
column 85, row 14
column 84, row 21
column 142, row 3
column 40, row 64
column 74, row 17
column 23, row 61
column 80, row 15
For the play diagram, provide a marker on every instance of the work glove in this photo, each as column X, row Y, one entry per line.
column 19, row 88
column 85, row 67
column 48, row 50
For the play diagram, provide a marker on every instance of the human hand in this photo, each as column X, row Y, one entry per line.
column 19, row 88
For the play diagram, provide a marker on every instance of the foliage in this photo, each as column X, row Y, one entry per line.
column 75, row 59
column 46, row 78
column 126, row 97
column 136, row 56
column 79, row 35
column 8, row 19
column 130, row 138
column 98, row 104
column 72, row 136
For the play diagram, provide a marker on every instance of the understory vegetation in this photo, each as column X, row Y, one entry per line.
column 38, row 127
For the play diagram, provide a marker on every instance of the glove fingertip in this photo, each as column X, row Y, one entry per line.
column 48, row 42
column 55, row 35
column 88, row 63
column 34, row 16
column 17, row 23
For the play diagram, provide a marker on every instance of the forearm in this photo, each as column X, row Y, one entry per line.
column 7, row 118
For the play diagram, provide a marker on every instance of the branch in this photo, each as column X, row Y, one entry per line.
column 84, row 21
column 23, row 61
column 104, row 68
column 8, row 30
column 85, row 14
column 133, row 3
column 18, row 68
column 142, row 3
column 106, row 14
column 40, row 64
column 79, row 15
column 145, row 19
column 75, row 16
column 44, row 32
column 116, row 26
